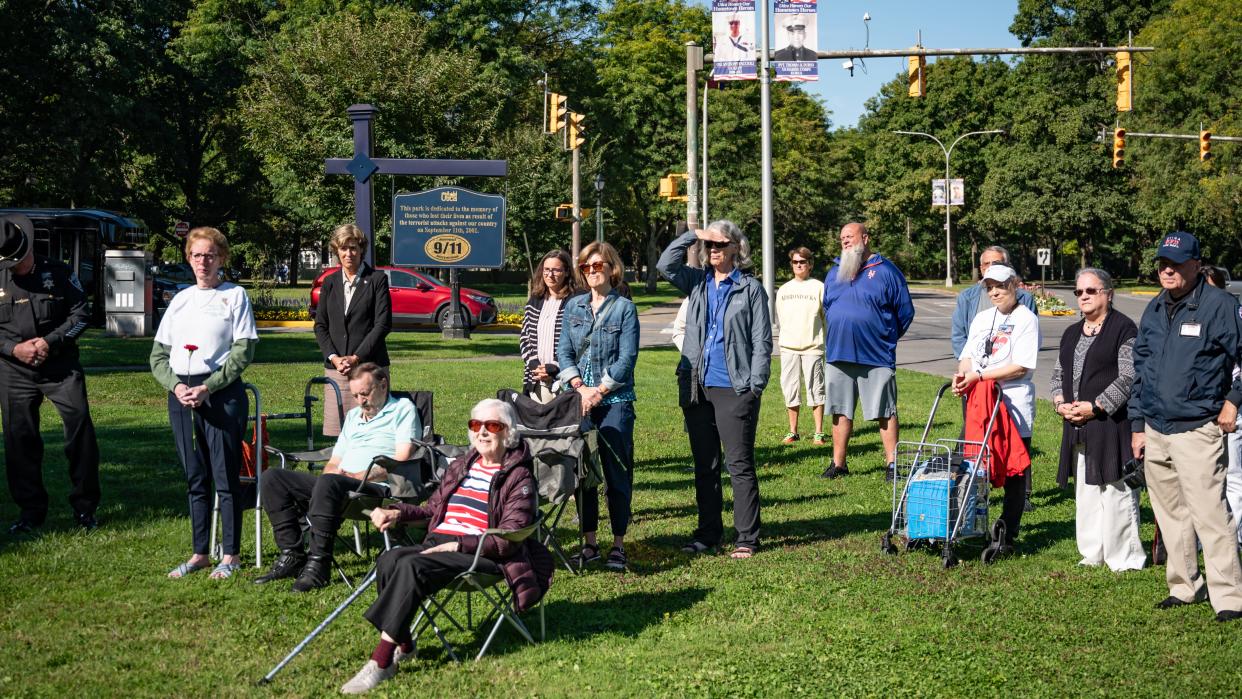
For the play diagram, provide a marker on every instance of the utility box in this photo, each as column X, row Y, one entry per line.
column 128, row 307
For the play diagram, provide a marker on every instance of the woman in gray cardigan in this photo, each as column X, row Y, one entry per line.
column 723, row 370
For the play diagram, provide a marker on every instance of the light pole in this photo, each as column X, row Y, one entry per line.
column 599, row 207
column 948, row 198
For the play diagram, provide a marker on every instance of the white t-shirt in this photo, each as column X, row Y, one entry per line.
column 800, row 315
column 1015, row 339
column 211, row 320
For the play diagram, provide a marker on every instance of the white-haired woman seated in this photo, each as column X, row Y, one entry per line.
column 491, row 487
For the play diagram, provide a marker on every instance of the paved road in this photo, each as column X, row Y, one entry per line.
column 925, row 346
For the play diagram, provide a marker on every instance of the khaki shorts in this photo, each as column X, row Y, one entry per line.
column 798, row 370
column 847, row 382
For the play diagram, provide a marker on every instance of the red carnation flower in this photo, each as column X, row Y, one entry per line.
column 191, row 348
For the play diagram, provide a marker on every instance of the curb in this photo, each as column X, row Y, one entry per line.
column 284, row 323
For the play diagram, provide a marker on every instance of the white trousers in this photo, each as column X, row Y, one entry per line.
column 1107, row 522
column 1233, row 477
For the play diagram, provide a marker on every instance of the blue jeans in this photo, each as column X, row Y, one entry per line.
column 616, row 430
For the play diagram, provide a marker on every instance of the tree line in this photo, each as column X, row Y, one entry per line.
column 221, row 112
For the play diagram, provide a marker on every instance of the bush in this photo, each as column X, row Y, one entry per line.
column 281, row 313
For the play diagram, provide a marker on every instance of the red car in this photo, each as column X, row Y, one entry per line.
column 420, row 299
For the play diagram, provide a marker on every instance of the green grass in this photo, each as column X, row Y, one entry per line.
column 819, row 612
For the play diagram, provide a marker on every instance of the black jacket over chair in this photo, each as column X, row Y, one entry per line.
column 362, row 329
column 1106, row 438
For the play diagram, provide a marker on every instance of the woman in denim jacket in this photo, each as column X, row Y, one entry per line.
column 597, row 351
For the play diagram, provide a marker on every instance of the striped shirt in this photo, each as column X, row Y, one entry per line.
column 466, row 514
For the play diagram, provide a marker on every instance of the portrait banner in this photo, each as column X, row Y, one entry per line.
column 796, row 40
column 733, row 40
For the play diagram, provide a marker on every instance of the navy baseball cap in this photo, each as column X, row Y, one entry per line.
column 1178, row 247
column 15, row 230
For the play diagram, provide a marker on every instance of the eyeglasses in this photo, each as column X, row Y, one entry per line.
column 493, row 426
column 553, row 271
column 717, row 244
column 1088, row 291
column 203, row 256
column 596, row 267
column 798, row 262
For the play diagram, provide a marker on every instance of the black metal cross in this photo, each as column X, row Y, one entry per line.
column 363, row 167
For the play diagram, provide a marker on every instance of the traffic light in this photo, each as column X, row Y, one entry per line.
column 1205, row 146
column 557, row 109
column 1119, row 147
column 564, row 212
column 668, row 187
column 918, row 76
column 1125, row 82
column 577, row 130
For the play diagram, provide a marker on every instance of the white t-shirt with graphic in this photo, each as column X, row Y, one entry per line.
column 1014, row 339
column 211, row 320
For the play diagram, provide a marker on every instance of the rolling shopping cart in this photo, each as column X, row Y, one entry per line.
column 940, row 492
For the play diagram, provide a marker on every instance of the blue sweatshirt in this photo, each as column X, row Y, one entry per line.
column 865, row 317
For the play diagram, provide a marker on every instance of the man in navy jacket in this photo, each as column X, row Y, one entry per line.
column 1183, row 401
column 867, row 308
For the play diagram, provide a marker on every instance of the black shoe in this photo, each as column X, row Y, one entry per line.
column 1028, row 506
column 890, row 473
column 1228, row 614
column 1171, row 602
column 86, row 521
column 835, row 471
column 316, row 574
column 23, row 527
column 288, row 565
column 588, row 554
column 616, row 560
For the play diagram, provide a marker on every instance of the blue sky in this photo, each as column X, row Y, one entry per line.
column 895, row 24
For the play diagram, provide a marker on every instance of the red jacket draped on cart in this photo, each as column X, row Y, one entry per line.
column 1009, row 454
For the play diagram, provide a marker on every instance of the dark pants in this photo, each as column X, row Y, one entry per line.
column 208, row 439
column 22, row 390
column 405, row 577
column 1016, row 488
column 288, row 496
column 616, row 428
column 723, row 417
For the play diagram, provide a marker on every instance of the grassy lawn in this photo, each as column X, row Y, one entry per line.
column 819, row 612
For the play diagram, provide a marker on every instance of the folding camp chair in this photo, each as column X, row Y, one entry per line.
column 564, row 446
column 310, row 455
column 491, row 588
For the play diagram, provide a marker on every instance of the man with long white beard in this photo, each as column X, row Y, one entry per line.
column 867, row 308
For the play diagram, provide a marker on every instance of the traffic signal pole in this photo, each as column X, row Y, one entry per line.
column 576, row 243
column 694, row 63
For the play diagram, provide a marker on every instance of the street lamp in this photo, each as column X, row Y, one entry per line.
column 948, row 239
column 599, row 210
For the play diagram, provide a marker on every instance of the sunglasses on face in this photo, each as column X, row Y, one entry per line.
column 492, row 426
column 1088, row 291
column 798, row 262
column 717, row 244
column 596, row 266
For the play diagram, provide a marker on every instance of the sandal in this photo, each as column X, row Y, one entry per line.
column 185, row 569
column 695, row 547
column 224, row 571
column 616, row 560
column 819, row 439
column 588, row 554
column 742, row 552
column 790, row 438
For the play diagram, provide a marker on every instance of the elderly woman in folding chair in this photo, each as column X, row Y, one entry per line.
column 491, row 487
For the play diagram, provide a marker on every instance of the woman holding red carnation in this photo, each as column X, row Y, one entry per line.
column 205, row 340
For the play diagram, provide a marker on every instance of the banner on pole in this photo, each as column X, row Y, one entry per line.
column 733, row 40
column 956, row 193
column 796, row 39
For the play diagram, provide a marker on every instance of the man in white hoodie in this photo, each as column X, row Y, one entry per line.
column 800, row 316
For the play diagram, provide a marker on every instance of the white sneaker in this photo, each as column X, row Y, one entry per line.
column 400, row 656
column 368, row 678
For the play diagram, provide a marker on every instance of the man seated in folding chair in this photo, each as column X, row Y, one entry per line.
column 380, row 425
column 491, row 487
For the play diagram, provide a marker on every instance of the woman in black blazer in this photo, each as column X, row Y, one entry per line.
column 352, row 320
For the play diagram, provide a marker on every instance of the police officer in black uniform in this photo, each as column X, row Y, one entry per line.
column 42, row 312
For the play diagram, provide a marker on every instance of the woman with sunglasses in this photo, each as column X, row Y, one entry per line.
column 725, row 363
column 491, row 487
column 1090, row 391
column 598, row 348
column 553, row 283
column 1003, row 346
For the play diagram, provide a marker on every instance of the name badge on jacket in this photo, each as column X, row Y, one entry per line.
column 1190, row 330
